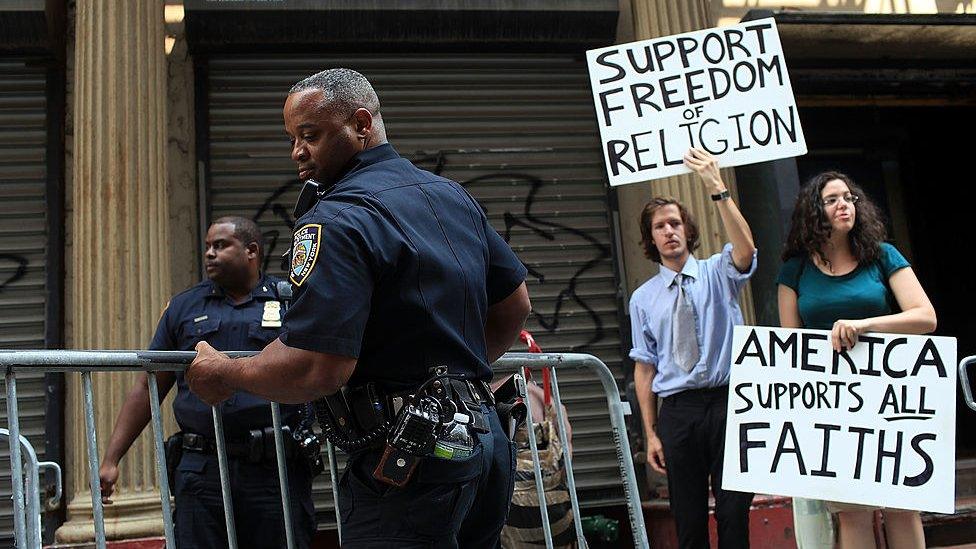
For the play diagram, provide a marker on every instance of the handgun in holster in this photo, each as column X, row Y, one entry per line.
column 510, row 404
column 173, row 450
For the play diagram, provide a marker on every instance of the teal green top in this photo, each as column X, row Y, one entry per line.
column 862, row 293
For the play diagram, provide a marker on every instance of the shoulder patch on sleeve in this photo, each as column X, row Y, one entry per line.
column 304, row 252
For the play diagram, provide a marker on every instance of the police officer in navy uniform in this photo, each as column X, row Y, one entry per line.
column 396, row 271
column 238, row 309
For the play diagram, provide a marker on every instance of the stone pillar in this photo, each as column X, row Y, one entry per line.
column 651, row 19
column 119, row 246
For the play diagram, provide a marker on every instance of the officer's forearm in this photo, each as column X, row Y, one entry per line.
column 505, row 320
column 287, row 374
column 134, row 415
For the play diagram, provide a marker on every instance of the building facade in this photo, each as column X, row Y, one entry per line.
column 127, row 127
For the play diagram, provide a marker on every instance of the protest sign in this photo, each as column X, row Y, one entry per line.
column 725, row 90
column 872, row 425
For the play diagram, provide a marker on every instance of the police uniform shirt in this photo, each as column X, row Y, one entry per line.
column 397, row 267
column 205, row 313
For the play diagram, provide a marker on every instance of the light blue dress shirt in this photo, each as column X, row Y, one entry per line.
column 713, row 289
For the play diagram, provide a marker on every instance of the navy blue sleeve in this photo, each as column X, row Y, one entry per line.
column 333, row 284
column 165, row 339
column 505, row 271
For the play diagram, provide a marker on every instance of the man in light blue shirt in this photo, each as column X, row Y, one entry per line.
column 681, row 322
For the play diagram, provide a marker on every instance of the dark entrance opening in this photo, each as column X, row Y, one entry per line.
column 918, row 165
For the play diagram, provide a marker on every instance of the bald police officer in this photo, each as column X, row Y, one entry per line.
column 236, row 309
column 396, row 270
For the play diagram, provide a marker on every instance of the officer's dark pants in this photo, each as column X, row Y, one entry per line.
column 691, row 426
column 199, row 513
column 447, row 504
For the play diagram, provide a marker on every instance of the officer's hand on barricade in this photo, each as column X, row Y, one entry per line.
column 655, row 454
column 108, row 474
column 203, row 375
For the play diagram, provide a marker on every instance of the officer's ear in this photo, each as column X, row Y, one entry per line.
column 364, row 122
column 253, row 251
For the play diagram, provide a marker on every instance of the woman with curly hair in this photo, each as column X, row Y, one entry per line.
column 840, row 275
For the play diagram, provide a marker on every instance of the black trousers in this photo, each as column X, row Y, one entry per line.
column 691, row 426
column 199, row 514
column 448, row 504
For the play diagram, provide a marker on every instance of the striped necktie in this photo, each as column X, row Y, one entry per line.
column 684, row 336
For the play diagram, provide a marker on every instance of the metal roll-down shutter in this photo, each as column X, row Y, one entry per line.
column 23, row 251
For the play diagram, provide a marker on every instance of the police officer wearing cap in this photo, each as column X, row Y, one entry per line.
column 238, row 309
column 396, row 271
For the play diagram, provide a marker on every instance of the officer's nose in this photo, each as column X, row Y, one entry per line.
column 298, row 152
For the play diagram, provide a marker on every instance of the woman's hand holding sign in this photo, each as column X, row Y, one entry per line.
column 844, row 334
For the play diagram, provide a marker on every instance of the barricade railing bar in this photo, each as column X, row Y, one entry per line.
column 967, row 391
column 151, row 362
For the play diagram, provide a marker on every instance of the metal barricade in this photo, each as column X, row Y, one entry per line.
column 32, row 488
column 87, row 362
column 151, row 362
column 967, row 391
column 618, row 410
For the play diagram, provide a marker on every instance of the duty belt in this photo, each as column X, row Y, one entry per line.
column 357, row 418
column 258, row 447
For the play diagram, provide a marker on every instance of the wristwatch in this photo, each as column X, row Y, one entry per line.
column 724, row 195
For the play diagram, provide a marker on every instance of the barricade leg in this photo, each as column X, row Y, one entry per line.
column 568, row 457
column 96, row 490
column 619, row 409
column 162, row 477
column 539, row 488
column 334, row 481
column 32, row 493
column 224, row 478
column 16, row 470
column 282, row 474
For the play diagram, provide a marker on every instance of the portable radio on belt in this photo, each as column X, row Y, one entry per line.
column 412, row 437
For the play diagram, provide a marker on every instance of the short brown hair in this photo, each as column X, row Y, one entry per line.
column 647, row 237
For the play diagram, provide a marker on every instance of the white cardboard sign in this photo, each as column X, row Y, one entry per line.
column 873, row 425
column 724, row 89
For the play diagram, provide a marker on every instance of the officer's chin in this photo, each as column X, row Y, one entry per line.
column 214, row 273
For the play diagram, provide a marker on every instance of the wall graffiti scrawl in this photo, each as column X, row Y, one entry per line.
column 277, row 208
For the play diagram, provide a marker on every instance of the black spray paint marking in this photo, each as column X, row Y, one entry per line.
column 19, row 271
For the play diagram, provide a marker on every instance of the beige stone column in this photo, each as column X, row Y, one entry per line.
column 651, row 19
column 119, row 248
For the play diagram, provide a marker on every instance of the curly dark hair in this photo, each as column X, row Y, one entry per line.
column 647, row 215
column 810, row 228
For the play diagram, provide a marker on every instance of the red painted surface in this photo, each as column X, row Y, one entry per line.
column 770, row 524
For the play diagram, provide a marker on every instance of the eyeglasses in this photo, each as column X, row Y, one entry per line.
column 832, row 200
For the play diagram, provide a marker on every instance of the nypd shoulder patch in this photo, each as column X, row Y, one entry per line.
column 304, row 252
